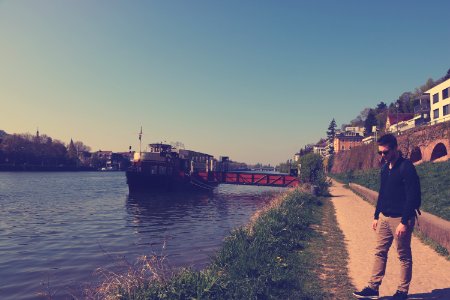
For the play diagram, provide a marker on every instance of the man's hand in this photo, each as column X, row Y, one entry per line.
column 374, row 224
column 401, row 230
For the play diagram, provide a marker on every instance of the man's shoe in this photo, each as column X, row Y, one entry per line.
column 400, row 296
column 367, row 293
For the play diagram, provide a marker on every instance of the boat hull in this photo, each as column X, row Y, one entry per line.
column 141, row 182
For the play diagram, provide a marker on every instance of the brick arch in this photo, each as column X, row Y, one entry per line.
column 416, row 155
column 439, row 147
column 439, row 151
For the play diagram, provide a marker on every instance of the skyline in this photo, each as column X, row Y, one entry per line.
column 252, row 80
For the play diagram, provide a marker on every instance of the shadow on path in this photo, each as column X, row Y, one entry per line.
column 435, row 294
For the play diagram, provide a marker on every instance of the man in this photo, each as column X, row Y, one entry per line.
column 398, row 199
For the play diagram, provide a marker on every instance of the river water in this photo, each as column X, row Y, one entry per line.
column 57, row 229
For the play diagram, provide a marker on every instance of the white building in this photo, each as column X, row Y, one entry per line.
column 440, row 101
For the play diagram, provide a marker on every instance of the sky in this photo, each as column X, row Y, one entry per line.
column 253, row 80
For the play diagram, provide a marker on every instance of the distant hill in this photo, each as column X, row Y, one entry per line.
column 2, row 133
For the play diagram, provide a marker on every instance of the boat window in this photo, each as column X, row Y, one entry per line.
column 162, row 170
column 154, row 169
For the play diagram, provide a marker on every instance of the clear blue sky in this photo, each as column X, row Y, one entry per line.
column 255, row 80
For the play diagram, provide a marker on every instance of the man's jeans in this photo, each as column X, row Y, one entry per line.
column 386, row 234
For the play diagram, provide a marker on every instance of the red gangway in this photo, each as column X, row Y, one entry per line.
column 244, row 178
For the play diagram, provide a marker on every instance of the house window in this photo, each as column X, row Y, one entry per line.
column 436, row 98
column 436, row 113
column 445, row 110
column 445, row 93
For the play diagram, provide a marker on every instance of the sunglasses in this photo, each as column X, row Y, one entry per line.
column 383, row 152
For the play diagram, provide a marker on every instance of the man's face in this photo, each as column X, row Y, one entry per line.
column 386, row 153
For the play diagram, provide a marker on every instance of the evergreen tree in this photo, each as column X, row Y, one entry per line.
column 331, row 132
column 72, row 151
column 370, row 121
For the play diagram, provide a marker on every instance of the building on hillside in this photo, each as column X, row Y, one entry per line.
column 346, row 141
column 369, row 139
column 320, row 148
column 297, row 156
column 440, row 101
column 422, row 110
column 355, row 129
column 398, row 122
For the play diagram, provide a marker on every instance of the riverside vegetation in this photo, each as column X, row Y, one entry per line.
column 291, row 250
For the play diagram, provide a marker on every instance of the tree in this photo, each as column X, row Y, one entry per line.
column 359, row 121
column 81, row 147
column 370, row 121
column 331, row 132
column 312, row 171
column 381, row 107
column 72, row 151
column 447, row 76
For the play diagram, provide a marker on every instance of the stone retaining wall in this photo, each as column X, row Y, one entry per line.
column 418, row 144
column 435, row 228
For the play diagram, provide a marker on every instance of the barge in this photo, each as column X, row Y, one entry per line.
column 166, row 168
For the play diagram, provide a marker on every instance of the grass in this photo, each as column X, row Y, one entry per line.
column 434, row 181
column 291, row 250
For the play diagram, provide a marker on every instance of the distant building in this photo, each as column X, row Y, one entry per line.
column 355, row 129
column 422, row 110
column 346, row 141
column 321, row 149
column 440, row 101
column 368, row 140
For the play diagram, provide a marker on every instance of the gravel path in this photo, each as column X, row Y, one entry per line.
column 431, row 272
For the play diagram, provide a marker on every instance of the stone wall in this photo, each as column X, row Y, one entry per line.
column 427, row 143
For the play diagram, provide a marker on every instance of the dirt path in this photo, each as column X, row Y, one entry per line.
column 431, row 272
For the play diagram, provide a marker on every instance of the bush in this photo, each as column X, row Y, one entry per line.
column 312, row 172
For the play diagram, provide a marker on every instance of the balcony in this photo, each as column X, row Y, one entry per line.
column 421, row 108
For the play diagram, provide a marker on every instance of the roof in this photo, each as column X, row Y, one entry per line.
column 344, row 137
column 392, row 118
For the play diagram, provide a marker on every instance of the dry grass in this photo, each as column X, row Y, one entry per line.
column 129, row 277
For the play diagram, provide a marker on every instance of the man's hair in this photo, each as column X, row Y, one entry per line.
column 388, row 140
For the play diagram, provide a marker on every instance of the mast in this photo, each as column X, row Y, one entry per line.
column 140, row 143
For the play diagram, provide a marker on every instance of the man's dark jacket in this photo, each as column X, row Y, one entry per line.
column 399, row 194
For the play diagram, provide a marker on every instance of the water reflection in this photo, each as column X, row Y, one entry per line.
column 192, row 225
column 146, row 206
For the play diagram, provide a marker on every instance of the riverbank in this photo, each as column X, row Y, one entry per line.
column 287, row 251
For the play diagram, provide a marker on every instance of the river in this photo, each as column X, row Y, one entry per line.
column 57, row 229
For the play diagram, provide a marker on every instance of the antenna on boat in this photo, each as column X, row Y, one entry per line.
column 140, row 143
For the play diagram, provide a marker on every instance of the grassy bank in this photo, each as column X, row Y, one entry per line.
column 286, row 252
column 434, row 179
